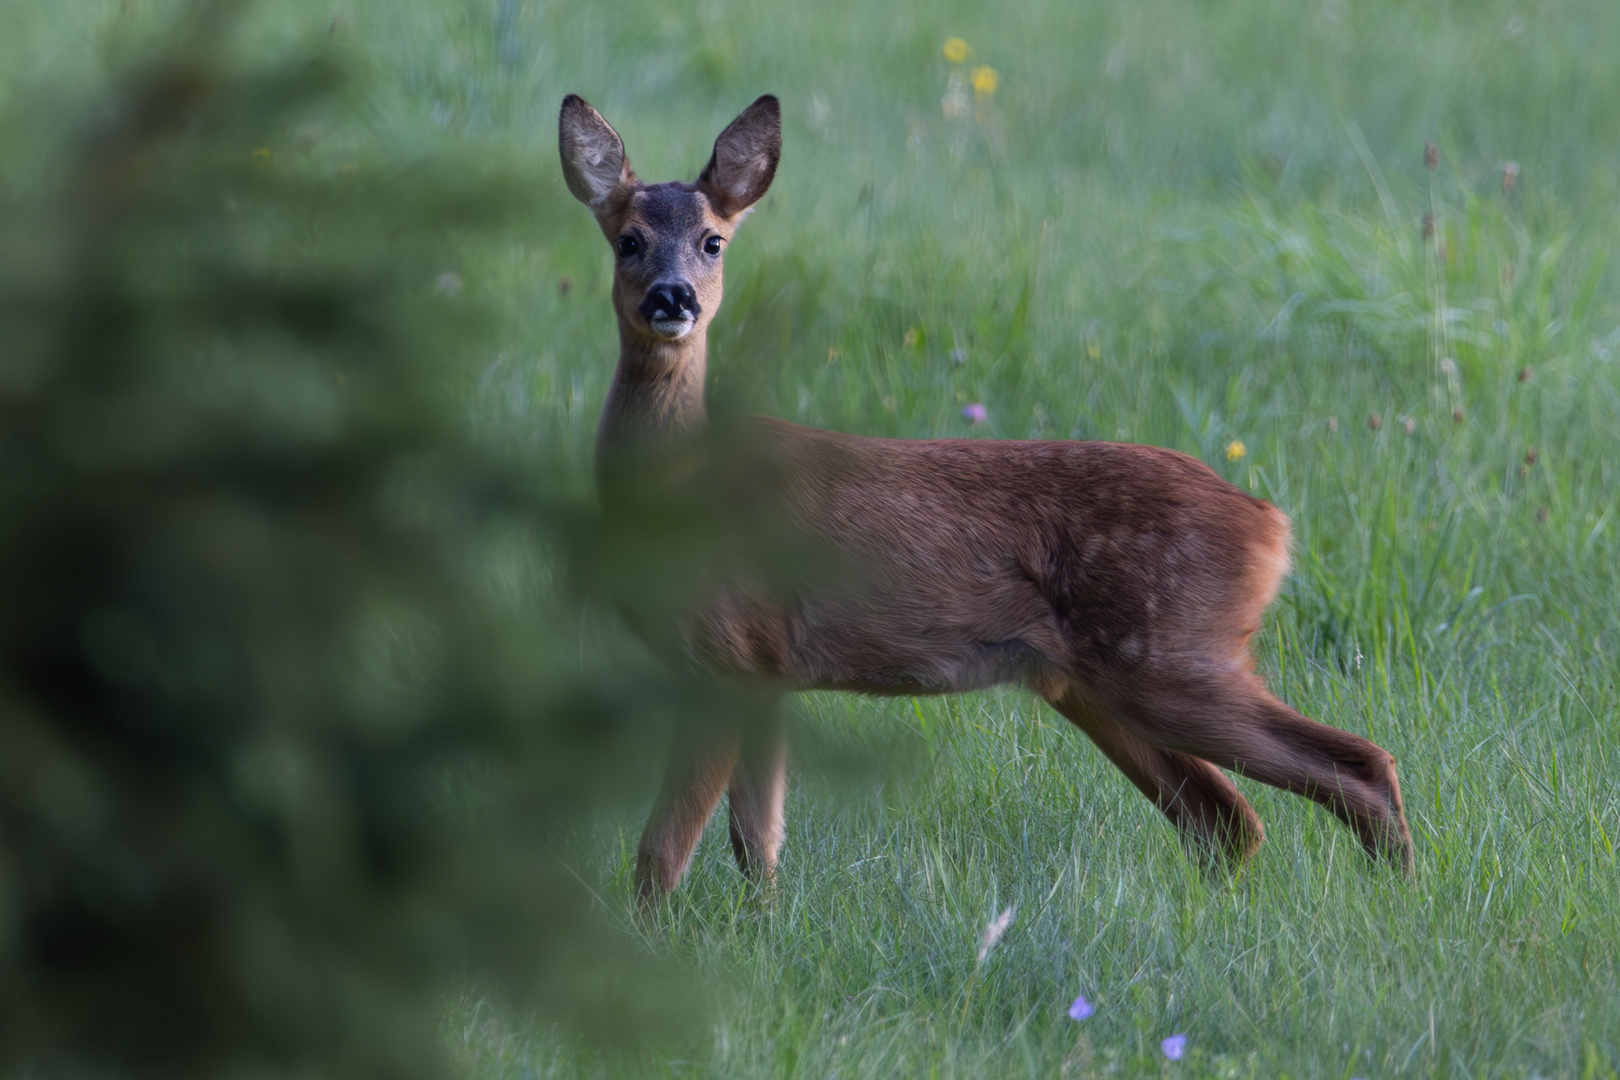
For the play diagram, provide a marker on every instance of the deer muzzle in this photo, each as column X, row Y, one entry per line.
column 671, row 308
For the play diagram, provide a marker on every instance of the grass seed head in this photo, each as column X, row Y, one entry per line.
column 998, row 925
column 955, row 103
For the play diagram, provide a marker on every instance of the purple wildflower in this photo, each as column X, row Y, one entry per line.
column 1080, row 1009
column 1174, row 1047
column 975, row 413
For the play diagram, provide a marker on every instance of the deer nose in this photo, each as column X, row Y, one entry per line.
column 670, row 300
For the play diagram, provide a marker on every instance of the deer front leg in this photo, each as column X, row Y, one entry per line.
column 758, row 788
column 699, row 766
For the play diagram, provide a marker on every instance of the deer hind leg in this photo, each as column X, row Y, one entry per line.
column 699, row 766
column 1202, row 803
column 758, row 788
column 1231, row 719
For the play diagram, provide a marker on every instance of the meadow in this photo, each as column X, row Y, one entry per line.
column 1355, row 255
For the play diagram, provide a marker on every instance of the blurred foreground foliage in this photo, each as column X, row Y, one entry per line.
column 291, row 688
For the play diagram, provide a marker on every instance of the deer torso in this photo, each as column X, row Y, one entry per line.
column 956, row 564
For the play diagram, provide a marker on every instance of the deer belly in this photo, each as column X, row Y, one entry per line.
column 901, row 652
column 809, row 648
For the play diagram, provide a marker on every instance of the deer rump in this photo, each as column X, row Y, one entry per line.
column 964, row 563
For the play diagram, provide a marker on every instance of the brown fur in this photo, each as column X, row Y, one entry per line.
column 1121, row 582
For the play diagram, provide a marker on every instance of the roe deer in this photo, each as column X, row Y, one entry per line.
column 1122, row 583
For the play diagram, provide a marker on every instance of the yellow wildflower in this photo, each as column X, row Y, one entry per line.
column 261, row 155
column 985, row 80
column 1235, row 450
column 955, row 50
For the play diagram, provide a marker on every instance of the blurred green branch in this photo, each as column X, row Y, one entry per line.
column 290, row 690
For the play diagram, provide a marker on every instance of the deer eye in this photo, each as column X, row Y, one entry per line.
column 711, row 246
column 628, row 245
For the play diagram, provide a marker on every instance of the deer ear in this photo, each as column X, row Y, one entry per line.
column 744, row 159
column 593, row 158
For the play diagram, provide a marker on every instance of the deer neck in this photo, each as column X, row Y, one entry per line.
column 656, row 397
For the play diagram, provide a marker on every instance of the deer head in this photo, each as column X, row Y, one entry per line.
column 668, row 239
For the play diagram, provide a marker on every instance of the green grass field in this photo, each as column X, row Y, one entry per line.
column 1188, row 224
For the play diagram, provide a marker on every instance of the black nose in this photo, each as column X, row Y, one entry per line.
column 670, row 300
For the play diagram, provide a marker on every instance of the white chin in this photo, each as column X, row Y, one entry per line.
column 672, row 329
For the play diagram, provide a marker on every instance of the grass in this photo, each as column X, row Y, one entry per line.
column 1173, row 223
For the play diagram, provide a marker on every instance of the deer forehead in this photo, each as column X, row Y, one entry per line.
column 672, row 210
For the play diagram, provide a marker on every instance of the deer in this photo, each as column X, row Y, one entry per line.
column 1121, row 583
